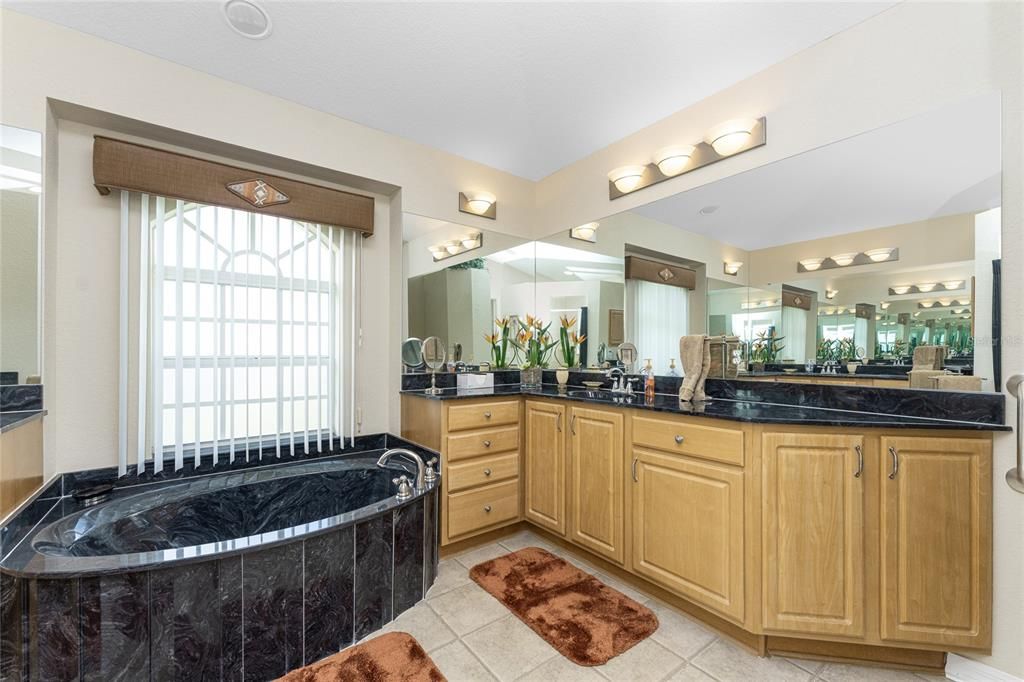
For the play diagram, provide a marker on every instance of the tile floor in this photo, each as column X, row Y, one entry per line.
column 473, row 638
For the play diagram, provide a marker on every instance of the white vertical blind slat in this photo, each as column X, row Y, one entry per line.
column 198, row 336
column 305, row 320
column 231, row 326
column 319, row 341
column 292, row 354
column 247, row 333
column 157, row 361
column 144, row 269
column 218, row 312
column 122, row 379
column 179, row 369
column 279, row 338
column 331, row 369
column 353, row 341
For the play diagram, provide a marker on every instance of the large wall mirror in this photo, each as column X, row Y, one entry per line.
column 21, row 185
column 838, row 261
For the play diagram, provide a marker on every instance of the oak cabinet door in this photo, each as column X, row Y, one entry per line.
column 936, row 540
column 688, row 528
column 544, row 491
column 813, row 533
column 596, row 481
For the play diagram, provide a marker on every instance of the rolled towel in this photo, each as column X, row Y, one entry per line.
column 698, row 391
column 691, row 355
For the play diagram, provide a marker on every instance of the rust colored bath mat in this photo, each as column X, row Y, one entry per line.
column 394, row 657
column 582, row 618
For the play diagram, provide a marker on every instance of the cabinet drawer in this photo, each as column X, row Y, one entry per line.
column 486, row 442
column 475, row 509
column 695, row 440
column 482, row 470
column 479, row 415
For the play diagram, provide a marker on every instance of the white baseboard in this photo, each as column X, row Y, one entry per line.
column 966, row 670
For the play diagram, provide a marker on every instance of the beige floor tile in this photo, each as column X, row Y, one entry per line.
column 648, row 661
column 467, row 608
column 690, row 673
column 561, row 669
column 509, row 648
column 425, row 625
column 450, row 575
column 626, row 589
column 810, row 666
column 930, row 677
column 679, row 633
column 458, row 664
column 840, row 672
column 518, row 541
column 729, row 663
column 471, row 558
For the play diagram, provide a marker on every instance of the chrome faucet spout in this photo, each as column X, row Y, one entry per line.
column 420, row 466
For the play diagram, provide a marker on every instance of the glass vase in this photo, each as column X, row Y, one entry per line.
column 531, row 377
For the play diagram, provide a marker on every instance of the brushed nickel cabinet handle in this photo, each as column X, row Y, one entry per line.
column 572, row 425
column 487, row 472
column 635, row 460
column 487, row 415
column 487, row 509
column 679, row 440
column 860, row 461
column 895, row 462
column 487, row 443
column 558, row 424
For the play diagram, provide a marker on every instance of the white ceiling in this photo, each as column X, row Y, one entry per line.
column 524, row 87
column 939, row 163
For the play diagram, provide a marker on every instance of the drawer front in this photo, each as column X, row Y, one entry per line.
column 479, row 415
column 695, row 440
column 482, row 470
column 491, row 441
column 476, row 509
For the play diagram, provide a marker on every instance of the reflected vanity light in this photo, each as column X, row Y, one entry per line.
column 884, row 305
column 926, row 287
column 831, row 293
column 627, row 178
column 851, row 258
column 454, row 247
column 730, row 137
column 672, row 160
column 585, row 233
column 878, row 255
column 843, row 259
column 732, row 267
column 811, row 264
column 483, row 204
column 899, row 290
column 953, row 284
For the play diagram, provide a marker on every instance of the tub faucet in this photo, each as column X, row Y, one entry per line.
column 420, row 467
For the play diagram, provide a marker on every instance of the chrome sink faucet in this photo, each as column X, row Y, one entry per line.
column 420, row 466
column 618, row 379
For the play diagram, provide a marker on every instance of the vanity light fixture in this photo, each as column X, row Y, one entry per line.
column 843, row 259
column 811, row 264
column 627, row 178
column 944, row 303
column 953, row 284
column 454, row 247
column 884, row 305
column 899, row 290
column 878, row 255
column 672, row 160
column 831, row 293
column 926, row 287
column 732, row 267
column 585, row 233
column 917, row 314
column 732, row 136
column 483, row 204
column 722, row 141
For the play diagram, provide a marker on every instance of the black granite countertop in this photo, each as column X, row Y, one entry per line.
column 819, row 375
column 758, row 412
column 12, row 420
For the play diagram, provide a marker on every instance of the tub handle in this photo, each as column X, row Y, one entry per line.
column 404, row 489
column 430, row 475
column 487, row 509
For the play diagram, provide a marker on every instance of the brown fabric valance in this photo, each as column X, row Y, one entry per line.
column 123, row 165
column 660, row 273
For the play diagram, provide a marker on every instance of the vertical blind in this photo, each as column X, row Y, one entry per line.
column 657, row 315
column 240, row 329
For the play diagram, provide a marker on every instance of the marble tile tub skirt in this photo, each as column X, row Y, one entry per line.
column 250, row 615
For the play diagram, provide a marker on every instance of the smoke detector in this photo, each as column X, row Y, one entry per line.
column 247, row 19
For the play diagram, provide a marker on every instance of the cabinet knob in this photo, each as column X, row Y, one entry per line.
column 487, row 443
column 487, row 415
column 679, row 440
column 487, row 509
column 487, row 472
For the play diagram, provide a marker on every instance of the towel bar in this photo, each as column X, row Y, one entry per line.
column 1015, row 476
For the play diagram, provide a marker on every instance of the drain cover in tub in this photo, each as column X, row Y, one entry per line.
column 93, row 494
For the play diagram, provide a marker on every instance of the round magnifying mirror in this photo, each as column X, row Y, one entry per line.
column 434, row 353
column 628, row 355
column 412, row 353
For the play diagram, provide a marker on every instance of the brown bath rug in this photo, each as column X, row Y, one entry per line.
column 582, row 618
column 394, row 657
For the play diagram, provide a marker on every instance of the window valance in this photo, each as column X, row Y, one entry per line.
column 127, row 166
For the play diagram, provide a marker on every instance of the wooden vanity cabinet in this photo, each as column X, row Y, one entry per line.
column 596, row 481
column 544, row 468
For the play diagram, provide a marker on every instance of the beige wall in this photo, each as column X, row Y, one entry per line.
column 912, row 58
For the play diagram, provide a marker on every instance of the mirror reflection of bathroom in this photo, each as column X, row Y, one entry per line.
column 21, row 187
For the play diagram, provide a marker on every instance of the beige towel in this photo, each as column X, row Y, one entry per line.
column 698, row 391
column 924, row 378
column 691, row 355
column 929, row 357
column 957, row 382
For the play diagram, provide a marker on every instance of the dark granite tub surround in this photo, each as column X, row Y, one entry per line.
column 235, row 575
column 21, row 397
column 12, row 420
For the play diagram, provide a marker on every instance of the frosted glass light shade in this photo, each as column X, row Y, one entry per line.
column 812, row 264
column 729, row 137
column 452, row 247
column 953, row 284
column 900, row 290
column 843, row 259
column 479, row 202
column 673, row 160
column 926, row 287
column 626, row 178
column 732, row 267
column 878, row 255
column 586, row 232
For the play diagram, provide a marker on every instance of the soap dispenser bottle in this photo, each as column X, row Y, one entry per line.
column 672, row 371
column 649, row 382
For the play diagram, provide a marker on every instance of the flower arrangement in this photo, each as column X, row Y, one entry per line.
column 766, row 347
column 534, row 342
column 569, row 341
column 500, row 342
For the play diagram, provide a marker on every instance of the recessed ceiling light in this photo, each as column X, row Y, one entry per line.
column 708, row 210
column 247, row 19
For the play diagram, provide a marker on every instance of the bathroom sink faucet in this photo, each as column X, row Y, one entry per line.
column 420, row 466
column 617, row 376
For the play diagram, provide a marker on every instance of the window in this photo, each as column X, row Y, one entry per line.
column 658, row 315
column 244, row 321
